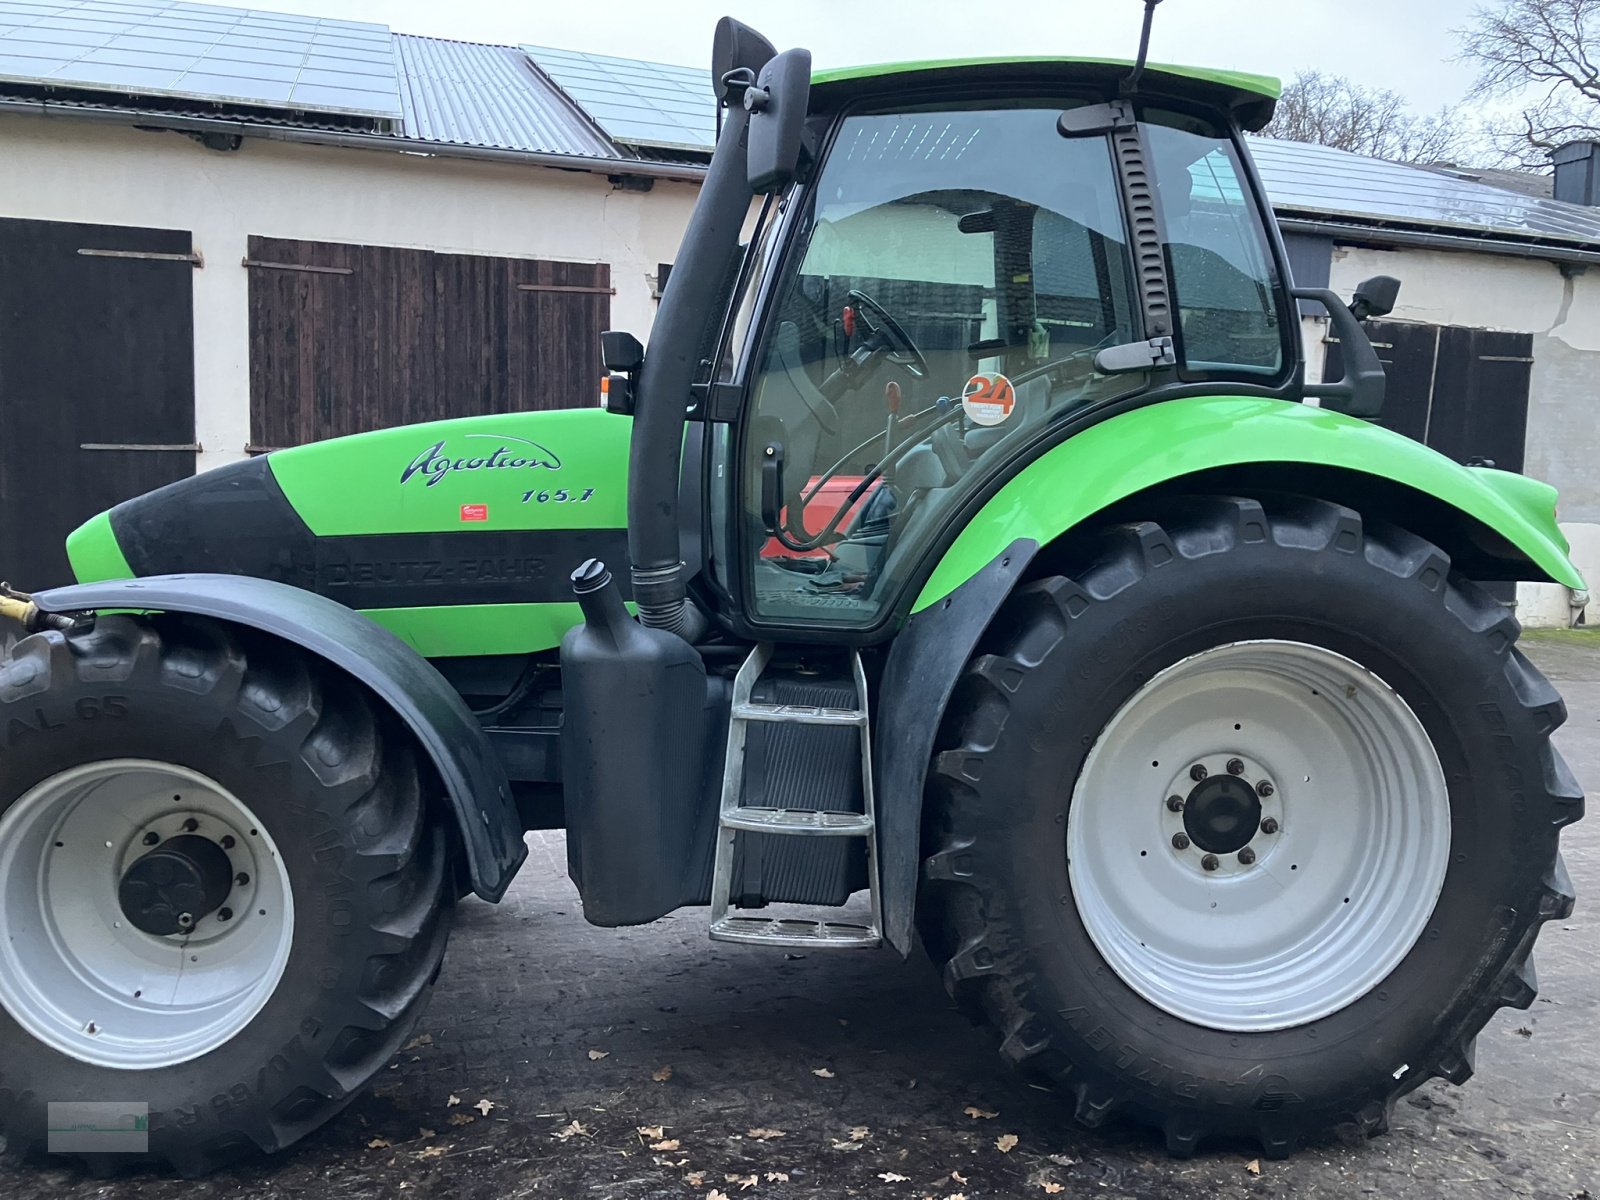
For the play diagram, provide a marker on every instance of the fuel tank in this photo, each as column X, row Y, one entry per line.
column 457, row 535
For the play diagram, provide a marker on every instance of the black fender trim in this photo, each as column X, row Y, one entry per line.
column 924, row 663
column 474, row 780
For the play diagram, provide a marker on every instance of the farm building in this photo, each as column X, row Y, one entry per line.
column 224, row 231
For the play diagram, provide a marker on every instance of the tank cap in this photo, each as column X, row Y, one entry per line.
column 590, row 576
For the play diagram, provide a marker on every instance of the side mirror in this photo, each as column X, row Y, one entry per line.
column 1360, row 393
column 736, row 47
column 1375, row 297
column 777, row 105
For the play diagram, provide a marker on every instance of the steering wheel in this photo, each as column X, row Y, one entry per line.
column 903, row 351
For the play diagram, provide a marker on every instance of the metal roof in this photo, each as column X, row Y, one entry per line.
column 201, row 52
column 466, row 94
column 1319, row 180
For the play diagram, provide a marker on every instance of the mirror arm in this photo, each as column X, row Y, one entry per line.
column 1361, row 390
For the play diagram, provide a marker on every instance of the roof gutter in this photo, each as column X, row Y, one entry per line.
column 1350, row 231
column 348, row 140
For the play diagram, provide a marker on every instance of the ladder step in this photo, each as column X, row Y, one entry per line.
column 790, row 931
column 793, row 820
column 799, row 714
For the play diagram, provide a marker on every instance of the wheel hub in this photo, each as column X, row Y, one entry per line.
column 174, row 886
column 1222, row 814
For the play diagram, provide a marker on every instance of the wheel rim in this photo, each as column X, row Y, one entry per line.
column 1248, row 919
column 78, row 974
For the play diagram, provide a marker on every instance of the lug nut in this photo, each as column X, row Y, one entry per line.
column 1197, row 772
column 1236, row 766
column 150, row 839
column 1180, row 841
column 1174, row 803
column 1210, row 862
column 1270, row 825
column 1247, row 856
column 1265, row 788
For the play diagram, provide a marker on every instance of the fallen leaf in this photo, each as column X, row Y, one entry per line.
column 823, row 1073
column 958, row 1177
column 425, row 1040
column 661, row 1074
column 576, row 1129
column 777, row 1177
column 425, row 1134
column 453, row 1101
column 1061, row 1160
column 859, row 1133
column 485, row 1106
column 462, row 1118
column 1006, row 1143
column 956, row 1196
column 1052, row 1189
column 652, row 1132
column 977, row 1113
column 847, row 1145
column 667, row 1144
column 597, row 1055
column 432, row 1151
column 745, row 1182
column 695, row 1179
column 1253, row 1166
column 766, row 1135
column 891, row 1177
column 714, row 1194
column 379, row 1144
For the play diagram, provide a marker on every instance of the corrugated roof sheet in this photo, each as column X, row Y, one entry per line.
column 1319, row 180
column 468, row 94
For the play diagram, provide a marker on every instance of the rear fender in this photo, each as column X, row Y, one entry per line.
column 475, row 783
column 1154, row 445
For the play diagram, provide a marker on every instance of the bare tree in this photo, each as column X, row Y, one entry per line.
column 1542, row 53
column 1330, row 110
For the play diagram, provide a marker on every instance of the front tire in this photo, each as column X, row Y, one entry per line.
column 248, row 1002
column 1200, row 956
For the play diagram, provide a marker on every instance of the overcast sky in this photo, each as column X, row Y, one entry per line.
column 1402, row 44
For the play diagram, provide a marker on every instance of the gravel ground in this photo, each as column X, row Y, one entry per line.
column 562, row 1061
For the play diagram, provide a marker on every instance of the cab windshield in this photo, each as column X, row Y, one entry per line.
column 954, row 271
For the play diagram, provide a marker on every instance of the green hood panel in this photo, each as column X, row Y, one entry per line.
column 1148, row 446
column 564, row 469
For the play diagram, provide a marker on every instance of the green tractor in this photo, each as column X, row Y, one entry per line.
column 977, row 567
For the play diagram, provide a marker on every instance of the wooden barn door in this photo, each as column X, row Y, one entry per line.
column 96, row 380
column 347, row 338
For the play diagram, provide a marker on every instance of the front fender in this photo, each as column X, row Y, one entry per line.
column 475, row 783
column 1149, row 446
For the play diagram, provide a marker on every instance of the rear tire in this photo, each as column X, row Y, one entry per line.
column 243, row 730
column 1019, row 932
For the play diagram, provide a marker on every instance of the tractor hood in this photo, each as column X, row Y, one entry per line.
column 457, row 535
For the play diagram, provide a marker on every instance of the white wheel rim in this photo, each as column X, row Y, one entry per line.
column 1335, row 896
column 77, row 974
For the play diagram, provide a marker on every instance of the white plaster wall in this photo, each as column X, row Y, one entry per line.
column 65, row 170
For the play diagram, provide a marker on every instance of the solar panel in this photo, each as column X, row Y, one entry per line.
column 201, row 52
column 636, row 103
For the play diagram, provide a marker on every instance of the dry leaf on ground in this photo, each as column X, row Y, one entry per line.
column 972, row 1110
column 958, row 1177
column 695, row 1179
column 652, row 1132
column 425, row 1134
column 575, row 1129
column 485, row 1106
column 860, row 1133
column 1052, row 1189
column 777, row 1177
column 597, row 1055
column 837, row 1145
column 1253, row 1166
column 432, row 1151
column 714, row 1194
column 661, row 1074
column 462, row 1118
column 891, row 1177
column 667, row 1144
column 745, row 1182
column 766, row 1135
column 453, row 1101
column 425, row 1040
column 823, row 1073
column 379, row 1144
column 1005, row 1143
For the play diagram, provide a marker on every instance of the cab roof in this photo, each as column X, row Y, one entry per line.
column 1252, row 98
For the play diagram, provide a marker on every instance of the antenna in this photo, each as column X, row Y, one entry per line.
column 1131, row 84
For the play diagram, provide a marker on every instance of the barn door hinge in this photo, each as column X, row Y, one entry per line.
column 283, row 266
column 189, row 447
column 193, row 257
column 567, row 287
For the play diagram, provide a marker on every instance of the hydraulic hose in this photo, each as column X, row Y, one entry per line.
column 670, row 364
